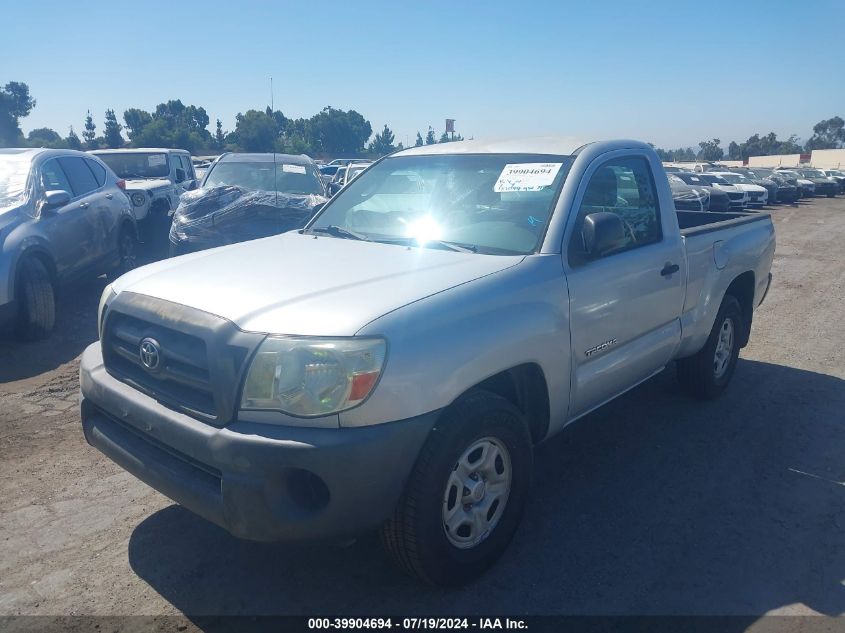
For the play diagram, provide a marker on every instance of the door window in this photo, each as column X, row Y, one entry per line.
column 624, row 186
column 53, row 177
column 98, row 170
column 82, row 181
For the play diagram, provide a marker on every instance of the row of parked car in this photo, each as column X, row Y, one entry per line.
column 67, row 214
column 715, row 187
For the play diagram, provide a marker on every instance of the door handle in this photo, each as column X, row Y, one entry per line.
column 83, row 205
column 669, row 268
column 109, row 196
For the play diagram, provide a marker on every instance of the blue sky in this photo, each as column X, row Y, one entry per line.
column 672, row 73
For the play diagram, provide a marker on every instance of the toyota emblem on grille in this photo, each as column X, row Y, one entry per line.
column 150, row 354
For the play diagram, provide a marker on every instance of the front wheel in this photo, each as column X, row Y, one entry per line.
column 466, row 494
column 707, row 373
column 37, row 303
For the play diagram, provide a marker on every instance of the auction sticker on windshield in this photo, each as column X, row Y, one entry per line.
column 293, row 169
column 155, row 159
column 526, row 176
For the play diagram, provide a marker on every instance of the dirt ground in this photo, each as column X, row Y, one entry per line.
column 654, row 504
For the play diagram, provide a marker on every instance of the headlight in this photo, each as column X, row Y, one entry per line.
column 105, row 298
column 310, row 377
column 138, row 199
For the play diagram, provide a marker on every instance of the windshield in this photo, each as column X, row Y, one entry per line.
column 490, row 203
column 813, row 173
column 13, row 177
column 137, row 164
column 266, row 176
column 693, row 179
column 354, row 171
column 736, row 179
column 714, row 180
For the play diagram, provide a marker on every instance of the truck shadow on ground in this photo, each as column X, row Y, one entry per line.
column 654, row 504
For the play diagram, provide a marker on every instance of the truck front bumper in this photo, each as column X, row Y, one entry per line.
column 258, row 481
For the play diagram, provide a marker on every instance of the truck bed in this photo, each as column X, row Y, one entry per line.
column 698, row 222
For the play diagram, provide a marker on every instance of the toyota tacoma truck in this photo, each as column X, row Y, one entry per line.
column 393, row 365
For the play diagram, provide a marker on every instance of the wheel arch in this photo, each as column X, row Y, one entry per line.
column 526, row 388
column 40, row 254
column 742, row 289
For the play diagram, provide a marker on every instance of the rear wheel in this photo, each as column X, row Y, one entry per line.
column 707, row 373
column 127, row 246
column 465, row 496
column 36, row 301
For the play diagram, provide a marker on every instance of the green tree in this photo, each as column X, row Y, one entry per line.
column 15, row 104
column 111, row 131
column 429, row 137
column 89, row 134
column 44, row 137
column 173, row 124
column 136, row 120
column 444, row 138
column 734, row 151
column 419, row 141
column 710, row 150
column 219, row 137
column 335, row 131
column 383, row 142
column 72, row 140
column 256, row 131
column 827, row 134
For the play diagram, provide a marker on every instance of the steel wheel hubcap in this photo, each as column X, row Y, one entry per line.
column 724, row 348
column 476, row 492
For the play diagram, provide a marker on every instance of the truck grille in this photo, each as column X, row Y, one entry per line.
column 200, row 358
column 182, row 373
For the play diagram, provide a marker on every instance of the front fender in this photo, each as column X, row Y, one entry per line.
column 441, row 346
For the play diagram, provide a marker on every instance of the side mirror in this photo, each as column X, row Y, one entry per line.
column 603, row 233
column 53, row 200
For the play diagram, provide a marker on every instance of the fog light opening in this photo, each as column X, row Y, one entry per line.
column 307, row 490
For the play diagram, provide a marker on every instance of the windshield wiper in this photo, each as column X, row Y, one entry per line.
column 339, row 231
column 452, row 246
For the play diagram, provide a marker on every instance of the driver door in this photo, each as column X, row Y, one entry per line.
column 67, row 227
column 625, row 307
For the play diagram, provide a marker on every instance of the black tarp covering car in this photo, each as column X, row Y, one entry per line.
column 246, row 197
column 719, row 200
column 686, row 197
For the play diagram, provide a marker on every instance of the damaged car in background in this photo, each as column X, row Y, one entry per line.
column 155, row 178
column 246, row 197
column 688, row 197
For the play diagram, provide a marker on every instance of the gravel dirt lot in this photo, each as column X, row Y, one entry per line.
column 654, row 504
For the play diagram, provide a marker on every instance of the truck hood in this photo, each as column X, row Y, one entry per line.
column 301, row 284
column 147, row 184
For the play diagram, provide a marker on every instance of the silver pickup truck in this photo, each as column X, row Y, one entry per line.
column 393, row 365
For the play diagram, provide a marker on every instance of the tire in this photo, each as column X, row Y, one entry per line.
column 416, row 537
column 704, row 375
column 127, row 248
column 36, row 301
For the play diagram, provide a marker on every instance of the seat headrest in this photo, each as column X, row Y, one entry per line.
column 601, row 190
